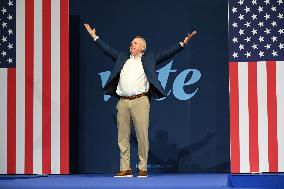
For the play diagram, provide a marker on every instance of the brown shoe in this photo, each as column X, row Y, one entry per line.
column 142, row 173
column 127, row 173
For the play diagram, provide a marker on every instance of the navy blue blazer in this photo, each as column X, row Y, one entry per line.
column 149, row 62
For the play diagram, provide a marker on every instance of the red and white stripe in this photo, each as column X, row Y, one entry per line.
column 34, row 96
column 256, row 116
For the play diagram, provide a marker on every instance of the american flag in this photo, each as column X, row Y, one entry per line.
column 256, row 67
column 34, row 95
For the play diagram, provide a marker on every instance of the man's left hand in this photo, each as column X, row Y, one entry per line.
column 188, row 37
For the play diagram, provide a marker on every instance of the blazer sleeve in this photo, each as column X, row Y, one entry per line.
column 106, row 49
column 167, row 54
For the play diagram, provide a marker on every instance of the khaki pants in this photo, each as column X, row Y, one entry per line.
column 137, row 110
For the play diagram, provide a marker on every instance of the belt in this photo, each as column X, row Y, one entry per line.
column 134, row 96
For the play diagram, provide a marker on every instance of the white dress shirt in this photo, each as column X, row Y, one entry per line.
column 132, row 79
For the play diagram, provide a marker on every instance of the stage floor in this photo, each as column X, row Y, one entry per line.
column 103, row 181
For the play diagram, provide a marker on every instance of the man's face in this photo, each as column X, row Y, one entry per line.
column 136, row 46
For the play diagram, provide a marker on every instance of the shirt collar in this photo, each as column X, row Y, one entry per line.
column 140, row 55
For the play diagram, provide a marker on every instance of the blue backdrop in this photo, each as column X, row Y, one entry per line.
column 189, row 129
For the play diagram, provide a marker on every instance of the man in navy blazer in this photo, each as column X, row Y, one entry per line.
column 133, row 80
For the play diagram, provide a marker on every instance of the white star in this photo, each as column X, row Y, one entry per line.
column 274, row 53
column 3, row 10
column 267, row 31
column 273, row 9
column 267, row 46
column 3, row 53
column 281, row 31
column 235, row 55
column 235, row 40
column 266, row 2
column 4, row 39
column 10, row 3
column 241, row 32
column 260, row 9
column 235, row 25
column 10, row 17
column 254, row 46
column 248, row 54
column 234, row 10
column 266, row 16
column 254, row 31
column 261, row 53
column 10, row 32
column 241, row 47
column 247, row 39
column 280, row 2
column 4, row 24
column 241, row 2
column 274, row 38
column 10, row 60
column 281, row 46
column 241, row 17
column 260, row 39
column 254, row 2
column 247, row 24
column 280, row 16
column 254, row 16
column 273, row 23
column 10, row 46
column 247, row 9
column 260, row 24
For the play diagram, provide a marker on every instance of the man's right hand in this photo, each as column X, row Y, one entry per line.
column 91, row 31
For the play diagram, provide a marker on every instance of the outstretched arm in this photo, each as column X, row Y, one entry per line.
column 112, row 53
column 172, row 51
